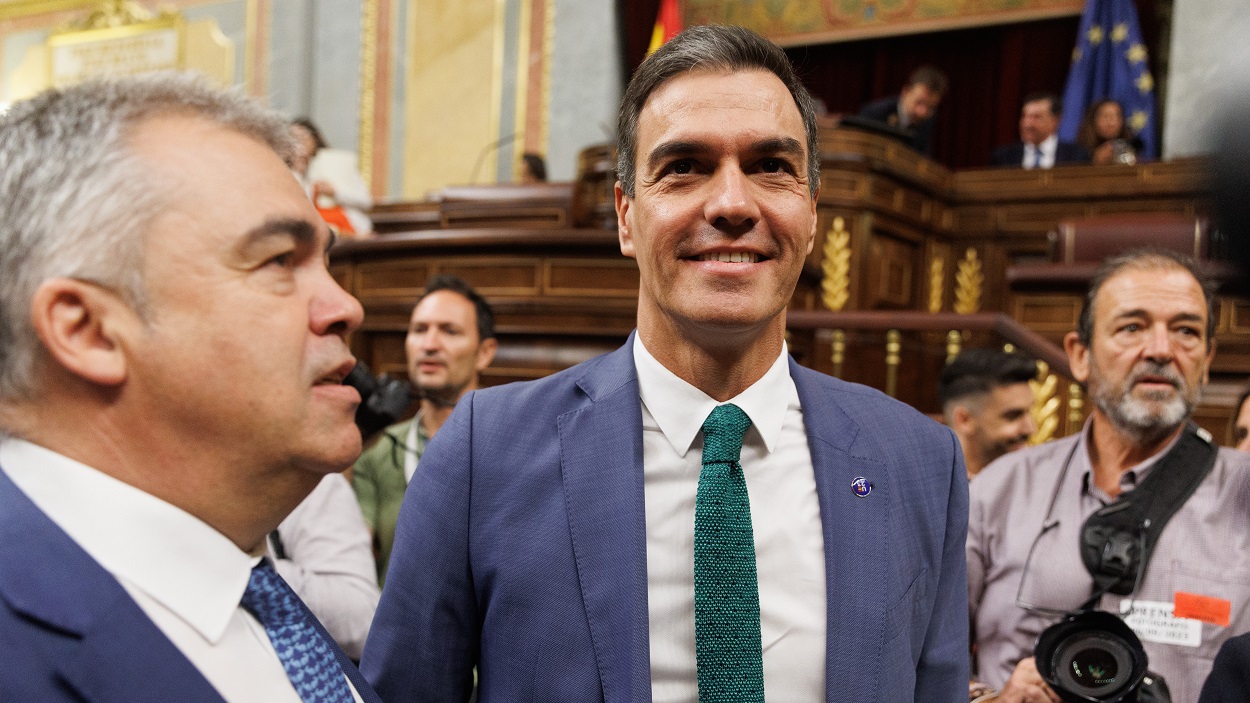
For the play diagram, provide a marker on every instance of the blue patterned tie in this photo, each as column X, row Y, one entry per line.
column 306, row 655
column 726, row 590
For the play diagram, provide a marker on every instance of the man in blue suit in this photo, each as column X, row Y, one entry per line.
column 171, row 357
column 1039, row 145
column 694, row 516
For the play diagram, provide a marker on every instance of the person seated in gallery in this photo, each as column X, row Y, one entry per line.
column 913, row 108
column 533, row 168
column 1039, row 145
column 1106, row 136
column 332, row 179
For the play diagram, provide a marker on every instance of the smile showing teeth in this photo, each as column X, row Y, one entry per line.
column 738, row 257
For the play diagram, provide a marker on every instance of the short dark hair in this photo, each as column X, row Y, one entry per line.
column 709, row 47
column 1056, row 105
column 536, row 165
column 930, row 77
column 485, row 316
column 1144, row 259
column 979, row 371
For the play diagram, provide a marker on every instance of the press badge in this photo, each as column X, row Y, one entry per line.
column 1153, row 622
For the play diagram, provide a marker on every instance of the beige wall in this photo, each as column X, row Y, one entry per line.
column 452, row 93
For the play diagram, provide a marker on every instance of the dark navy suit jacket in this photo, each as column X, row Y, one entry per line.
column 885, row 111
column 1065, row 153
column 521, row 548
column 1229, row 681
column 70, row 632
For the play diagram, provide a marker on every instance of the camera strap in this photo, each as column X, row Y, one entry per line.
column 1118, row 539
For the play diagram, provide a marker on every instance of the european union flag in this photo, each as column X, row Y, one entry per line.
column 1109, row 61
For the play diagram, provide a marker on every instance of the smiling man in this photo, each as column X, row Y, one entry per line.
column 451, row 339
column 988, row 402
column 172, row 349
column 1142, row 348
column 693, row 517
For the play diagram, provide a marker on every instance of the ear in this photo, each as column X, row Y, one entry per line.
column 1206, row 371
column 80, row 326
column 811, row 237
column 623, row 230
column 1078, row 356
column 962, row 421
column 486, row 352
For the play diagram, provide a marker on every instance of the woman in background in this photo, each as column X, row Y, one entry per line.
column 1105, row 135
column 332, row 180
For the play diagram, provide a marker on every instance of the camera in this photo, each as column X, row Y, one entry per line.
column 383, row 400
column 1091, row 656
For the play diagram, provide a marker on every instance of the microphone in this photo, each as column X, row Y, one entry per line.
column 486, row 150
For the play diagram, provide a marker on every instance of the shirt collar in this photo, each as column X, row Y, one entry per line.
column 1131, row 478
column 680, row 409
column 165, row 552
column 1049, row 145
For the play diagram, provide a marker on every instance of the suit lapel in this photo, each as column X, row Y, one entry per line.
column 856, row 538
column 109, row 650
column 601, row 467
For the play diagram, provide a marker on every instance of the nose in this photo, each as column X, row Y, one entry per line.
column 430, row 340
column 731, row 205
column 334, row 310
column 1027, row 425
column 1158, row 344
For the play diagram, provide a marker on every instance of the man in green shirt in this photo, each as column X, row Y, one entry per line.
column 451, row 338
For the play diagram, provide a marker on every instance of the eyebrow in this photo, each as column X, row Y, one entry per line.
column 301, row 231
column 1140, row 312
column 773, row 145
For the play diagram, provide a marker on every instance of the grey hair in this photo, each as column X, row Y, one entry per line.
column 711, row 48
column 76, row 201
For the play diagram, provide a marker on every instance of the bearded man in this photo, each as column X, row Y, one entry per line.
column 1143, row 349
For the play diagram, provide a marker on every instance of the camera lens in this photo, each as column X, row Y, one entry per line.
column 1094, row 667
column 1091, row 662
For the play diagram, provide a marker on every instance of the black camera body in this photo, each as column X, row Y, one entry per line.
column 1091, row 656
column 383, row 400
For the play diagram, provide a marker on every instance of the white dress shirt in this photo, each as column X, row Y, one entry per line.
column 186, row 576
column 1046, row 150
column 329, row 561
column 785, row 517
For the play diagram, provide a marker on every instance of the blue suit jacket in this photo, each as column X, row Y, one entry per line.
column 885, row 111
column 70, row 632
column 521, row 547
column 1012, row 155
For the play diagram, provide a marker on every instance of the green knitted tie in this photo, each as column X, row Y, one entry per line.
column 726, row 591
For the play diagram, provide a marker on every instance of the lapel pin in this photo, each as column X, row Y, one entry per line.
column 861, row 486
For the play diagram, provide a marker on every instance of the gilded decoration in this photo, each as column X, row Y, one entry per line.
column 968, row 283
column 797, row 23
column 836, row 286
column 1045, row 409
column 1076, row 407
column 120, row 37
column 368, row 85
column 937, row 272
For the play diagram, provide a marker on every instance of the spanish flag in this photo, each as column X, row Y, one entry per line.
column 667, row 24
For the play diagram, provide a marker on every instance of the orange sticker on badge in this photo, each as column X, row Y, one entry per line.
column 1208, row 609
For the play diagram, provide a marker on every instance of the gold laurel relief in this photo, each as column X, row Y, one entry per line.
column 1045, row 410
column 968, row 283
column 836, row 286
